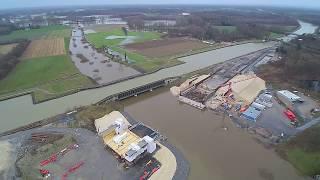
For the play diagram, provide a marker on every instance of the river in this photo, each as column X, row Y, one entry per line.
column 305, row 28
column 212, row 151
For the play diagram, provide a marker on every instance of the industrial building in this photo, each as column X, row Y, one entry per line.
column 288, row 98
column 243, row 88
column 113, row 128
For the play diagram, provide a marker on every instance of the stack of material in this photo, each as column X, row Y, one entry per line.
column 245, row 88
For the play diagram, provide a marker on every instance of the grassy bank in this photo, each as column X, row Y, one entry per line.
column 46, row 76
column 303, row 151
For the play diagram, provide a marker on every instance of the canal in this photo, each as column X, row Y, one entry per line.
column 214, row 147
column 21, row 110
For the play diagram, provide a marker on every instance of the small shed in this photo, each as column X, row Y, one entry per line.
column 251, row 114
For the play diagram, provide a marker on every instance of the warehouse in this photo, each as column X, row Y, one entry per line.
column 288, row 98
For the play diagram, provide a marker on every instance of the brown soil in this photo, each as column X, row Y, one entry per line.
column 45, row 47
column 166, row 47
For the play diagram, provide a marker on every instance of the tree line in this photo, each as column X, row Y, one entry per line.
column 10, row 60
column 202, row 25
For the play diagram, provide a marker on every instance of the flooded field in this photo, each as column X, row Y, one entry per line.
column 214, row 147
column 97, row 66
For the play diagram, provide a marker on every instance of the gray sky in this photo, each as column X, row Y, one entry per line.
column 5, row 4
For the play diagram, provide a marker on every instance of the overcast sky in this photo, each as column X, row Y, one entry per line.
column 5, row 4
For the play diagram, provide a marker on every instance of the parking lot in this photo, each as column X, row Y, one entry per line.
column 274, row 120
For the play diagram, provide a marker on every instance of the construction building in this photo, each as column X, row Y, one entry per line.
column 242, row 88
column 113, row 128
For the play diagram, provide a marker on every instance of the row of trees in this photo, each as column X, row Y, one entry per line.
column 9, row 61
column 301, row 62
column 201, row 25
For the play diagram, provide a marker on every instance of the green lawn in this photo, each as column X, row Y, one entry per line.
column 303, row 151
column 307, row 163
column 227, row 29
column 47, row 76
column 98, row 39
column 43, row 32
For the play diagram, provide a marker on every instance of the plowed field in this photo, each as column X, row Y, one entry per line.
column 45, row 47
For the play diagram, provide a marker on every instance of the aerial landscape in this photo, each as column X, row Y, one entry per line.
column 160, row 90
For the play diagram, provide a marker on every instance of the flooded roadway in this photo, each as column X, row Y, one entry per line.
column 99, row 67
column 213, row 153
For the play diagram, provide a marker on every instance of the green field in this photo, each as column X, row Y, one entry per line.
column 227, row 29
column 98, row 39
column 303, row 151
column 46, row 76
column 43, row 32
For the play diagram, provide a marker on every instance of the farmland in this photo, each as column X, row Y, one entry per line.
column 148, row 51
column 44, row 68
column 45, row 47
column 41, row 33
column 166, row 47
column 46, row 76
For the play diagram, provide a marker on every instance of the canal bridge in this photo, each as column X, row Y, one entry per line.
column 138, row 90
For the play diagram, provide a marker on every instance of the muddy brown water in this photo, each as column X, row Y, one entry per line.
column 212, row 151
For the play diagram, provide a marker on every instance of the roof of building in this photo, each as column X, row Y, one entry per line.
column 245, row 87
column 289, row 95
column 102, row 124
column 122, row 147
column 251, row 113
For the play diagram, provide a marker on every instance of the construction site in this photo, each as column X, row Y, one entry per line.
column 234, row 89
column 229, row 82
column 125, row 148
